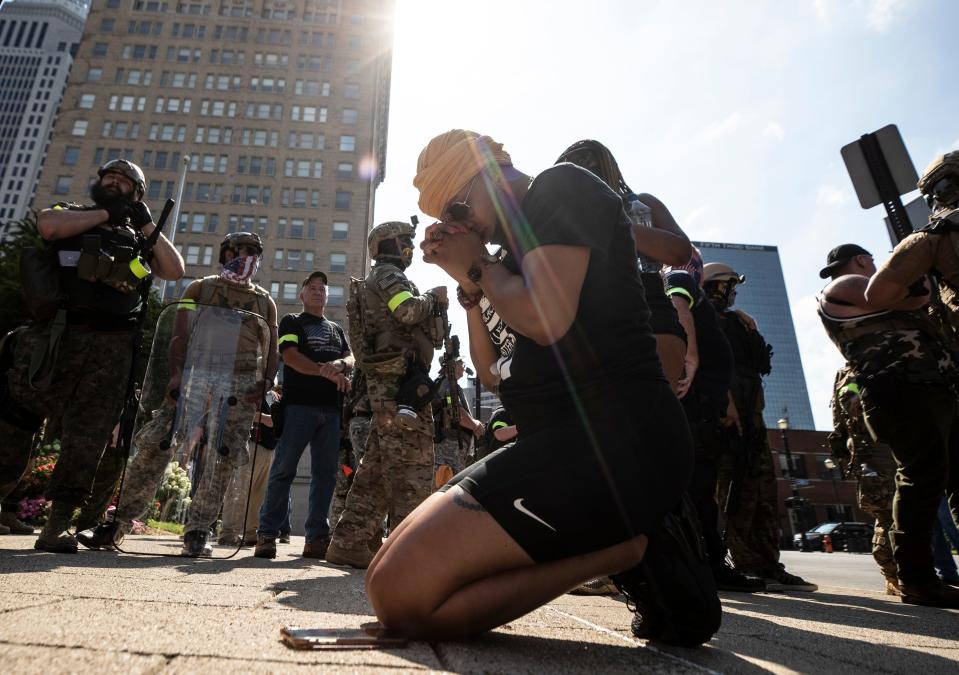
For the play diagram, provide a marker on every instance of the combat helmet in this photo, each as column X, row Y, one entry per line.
column 126, row 168
column 390, row 231
column 236, row 239
column 721, row 272
column 940, row 181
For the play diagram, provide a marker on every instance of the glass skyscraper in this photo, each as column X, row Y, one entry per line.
column 763, row 296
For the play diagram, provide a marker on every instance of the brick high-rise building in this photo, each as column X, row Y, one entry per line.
column 38, row 39
column 281, row 106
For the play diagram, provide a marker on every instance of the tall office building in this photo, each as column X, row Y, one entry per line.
column 764, row 297
column 38, row 39
column 280, row 105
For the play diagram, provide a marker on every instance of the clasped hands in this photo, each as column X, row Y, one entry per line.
column 455, row 247
column 335, row 375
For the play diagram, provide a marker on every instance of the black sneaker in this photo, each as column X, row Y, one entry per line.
column 104, row 536
column 265, row 547
column 195, row 545
column 729, row 579
column 931, row 593
column 284, row 538
column 672, row 591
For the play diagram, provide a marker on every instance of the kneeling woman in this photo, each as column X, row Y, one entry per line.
column 604, row 450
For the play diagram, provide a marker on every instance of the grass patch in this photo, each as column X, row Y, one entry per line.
column 175, row 528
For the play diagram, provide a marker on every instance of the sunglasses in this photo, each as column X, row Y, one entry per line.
column 460, row 210
column 945, row 191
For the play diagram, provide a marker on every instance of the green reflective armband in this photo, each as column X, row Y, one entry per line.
column 449, row 400
column 398, row 300
column 683, row 292
column 851, row 388
column 499, row 425
column 138, row 269
column 289, row 337
column 187, row 305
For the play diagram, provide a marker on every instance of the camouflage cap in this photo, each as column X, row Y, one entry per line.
column 384, row 231
column 940, row 180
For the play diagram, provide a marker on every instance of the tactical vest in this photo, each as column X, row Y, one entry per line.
column 751, row 353
column 890, row 343
column 252, row 341
column 380, row 343
column 101, row 270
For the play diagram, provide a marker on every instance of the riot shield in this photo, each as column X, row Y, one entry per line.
column 192, row 450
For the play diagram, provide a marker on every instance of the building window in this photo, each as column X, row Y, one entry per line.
column 344, row 171
column 351, row 91
column 86, row 101
column 349, row 116
column 106, row 25
column 341, row 231
column 344, row 200
column 337, row 262
column 94, row 74
column 79, row 128
column 100, row 48
column 71, row 155
column 334, row 296
column 62, row 186
column 290, row 291
column 347, row 143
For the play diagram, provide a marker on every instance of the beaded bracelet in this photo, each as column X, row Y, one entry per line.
column 468, row 301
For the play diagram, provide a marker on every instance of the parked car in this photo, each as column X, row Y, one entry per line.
column 851, row 537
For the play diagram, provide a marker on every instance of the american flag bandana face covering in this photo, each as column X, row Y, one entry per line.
column 242, row 268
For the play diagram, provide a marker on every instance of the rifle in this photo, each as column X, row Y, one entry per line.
column 451, row 352
column 131, row 402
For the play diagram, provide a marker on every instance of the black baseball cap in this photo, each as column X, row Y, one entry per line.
column 315, row 275
column 839, row 256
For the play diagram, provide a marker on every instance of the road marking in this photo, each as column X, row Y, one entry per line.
column 634, row 642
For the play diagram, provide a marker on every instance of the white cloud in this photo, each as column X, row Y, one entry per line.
column 774, row 130
column 830, row 195
column 723, row 127
column 883, row 13
column 880, row 15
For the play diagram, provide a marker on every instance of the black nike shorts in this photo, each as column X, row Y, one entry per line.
column 573, row 488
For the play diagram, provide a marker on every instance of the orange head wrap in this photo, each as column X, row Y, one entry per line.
column 448, row 162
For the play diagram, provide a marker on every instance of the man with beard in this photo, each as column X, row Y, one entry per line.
column 75, row 366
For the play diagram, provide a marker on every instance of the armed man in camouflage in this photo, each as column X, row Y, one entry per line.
column 394, row 330
column 871, row 463
column 454, row 442
column 356, row 423
column 233, row 288
column 73, row 365
column 905, row 378
column 752, row 530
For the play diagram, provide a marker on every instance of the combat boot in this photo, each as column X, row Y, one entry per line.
column 892, row 586
column 55, row 536
column 6, row 530
column 316, row 548
column 353, row 557
column 9, row 520
column 932, row 593
column 104, row 536
column 195, row 544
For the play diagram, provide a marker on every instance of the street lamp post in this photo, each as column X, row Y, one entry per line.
column 793, row 501
column 831, row 465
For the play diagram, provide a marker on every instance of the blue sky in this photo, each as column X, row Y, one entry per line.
column 732, row 113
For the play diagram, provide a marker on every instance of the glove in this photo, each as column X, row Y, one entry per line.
column 140, row 215
column 119, row 211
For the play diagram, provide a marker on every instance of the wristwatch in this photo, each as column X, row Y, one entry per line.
column 475, row 272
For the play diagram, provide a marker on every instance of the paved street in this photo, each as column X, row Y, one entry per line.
column 98, row 612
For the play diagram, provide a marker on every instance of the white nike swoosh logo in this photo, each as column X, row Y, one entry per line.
column 518, row 504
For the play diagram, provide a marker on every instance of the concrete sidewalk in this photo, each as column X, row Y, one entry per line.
column 101, row 612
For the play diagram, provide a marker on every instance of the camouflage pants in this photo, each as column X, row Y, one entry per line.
column 874, row 495
column 752, row 528
column 104, row 487
column 86, row 394
column 203, row 409
column 448, row 453
column 393, row 478
column 359, row 433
